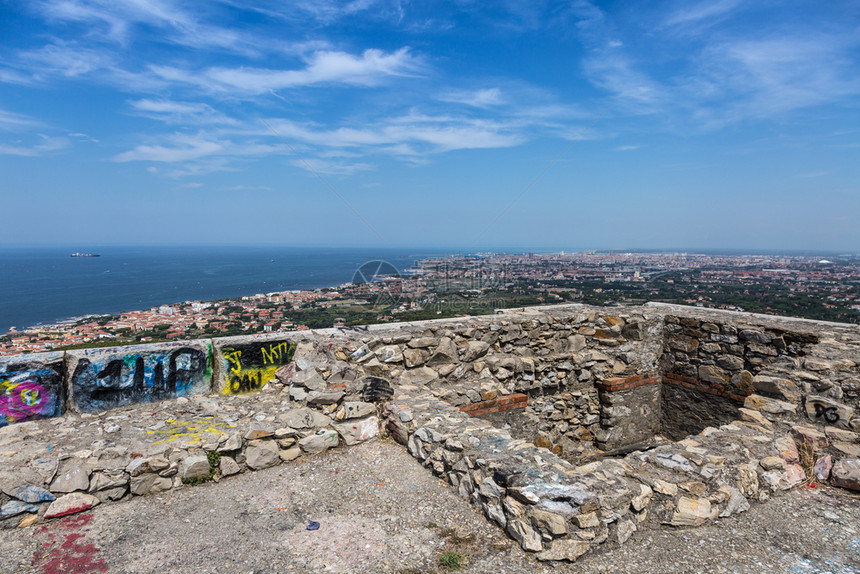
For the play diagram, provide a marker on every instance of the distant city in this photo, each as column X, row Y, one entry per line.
column 793, row 285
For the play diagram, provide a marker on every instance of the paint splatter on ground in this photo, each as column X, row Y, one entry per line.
column 63, row 548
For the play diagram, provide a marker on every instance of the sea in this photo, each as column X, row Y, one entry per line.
column 46, row 285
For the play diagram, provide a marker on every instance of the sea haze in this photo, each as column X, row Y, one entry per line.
column 45, row 285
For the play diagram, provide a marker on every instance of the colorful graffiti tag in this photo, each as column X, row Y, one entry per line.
column 108, row 379
column 249, row 367
column 29, row 394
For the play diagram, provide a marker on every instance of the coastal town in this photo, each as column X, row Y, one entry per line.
column 461, row 285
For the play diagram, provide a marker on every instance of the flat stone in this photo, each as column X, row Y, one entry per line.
column 327, row 397
column 357, row 431
column 783, row 388
column 587, row 520
column 667, row 488
column 549, row 522
column 357, row 410
column 107, row 480
column 290, row 454
column 149, row 482
column 228, row 466
column 564, row 549
column 71, row 504
column 259, row 430
column 772, row 463
column 321, row 440
column 768, row 405
column 691, row 512
column 75, row 477
column 262, row 456
column 194, row 467
column 753, row 416
column 822, row 410
column 848, row 449
column 16, row 507
column 846, row 474
column 304, row 418
column 29, row 493
column 233, row 442
column 841, row 435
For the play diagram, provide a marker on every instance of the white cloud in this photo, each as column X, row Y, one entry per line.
column 45, row 146
column 13, row 121
column 180, row 148
column 479, row 98
column 323, row 67
column 704, row 11
column 188, row 113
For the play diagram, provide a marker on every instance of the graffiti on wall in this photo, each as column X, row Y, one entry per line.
column 248, row 367
column 30, row 390
column 108, row 380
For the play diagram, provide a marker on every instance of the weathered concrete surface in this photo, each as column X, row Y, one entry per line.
column 380, row 511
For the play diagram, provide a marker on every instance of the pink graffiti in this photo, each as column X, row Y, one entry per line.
column 21, row 400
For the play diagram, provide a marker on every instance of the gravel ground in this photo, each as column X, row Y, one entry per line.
column 379, row 511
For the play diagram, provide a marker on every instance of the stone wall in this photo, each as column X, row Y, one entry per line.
column 774, row 403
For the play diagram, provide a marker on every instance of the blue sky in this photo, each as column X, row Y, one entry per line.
column 462, row 124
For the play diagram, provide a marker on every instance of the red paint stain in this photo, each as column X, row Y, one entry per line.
column 73, row 555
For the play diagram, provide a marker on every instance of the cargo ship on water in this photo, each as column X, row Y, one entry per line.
column 86, row 255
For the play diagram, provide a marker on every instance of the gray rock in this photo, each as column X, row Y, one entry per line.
column 262, row 456
column 194, row 467
column 564, row 549
column 475, row 350
column 259, row 430
column 321, row 440
column 71, row 504
column 823, row 410
column 846, row 474
column 233, row 442
column 228, row 466
column 309, row 379
column 419, row 377
column 304, row 418
column 783, row 388
column 415, row 357
column 290, row 454
column 107, row 480
column 298, row 393
column 522, row 532
column 75, row 477
column 357, row 431
column 445, row 353
column 357, row 409
column 327, row 397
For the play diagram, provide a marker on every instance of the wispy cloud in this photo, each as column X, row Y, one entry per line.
column 324, row 67
column 694, row 13
column 188, row 113
column 12, row 121
column 115, row 20
column 478, row 98
column 45, row 146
